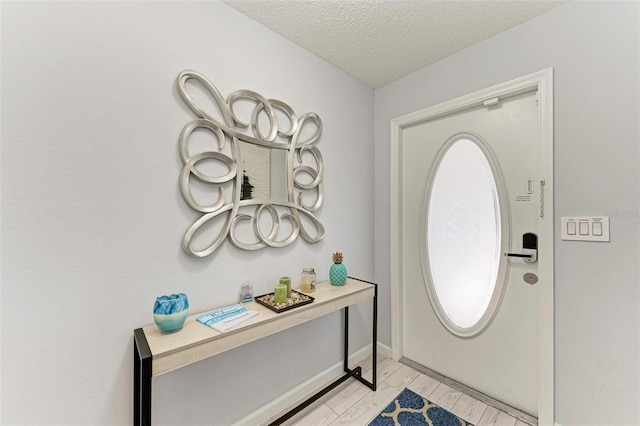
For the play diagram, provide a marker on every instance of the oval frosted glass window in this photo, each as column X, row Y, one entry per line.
column 463, row 234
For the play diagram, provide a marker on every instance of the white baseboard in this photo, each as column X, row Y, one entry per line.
column 284, row 402
column 384, row 350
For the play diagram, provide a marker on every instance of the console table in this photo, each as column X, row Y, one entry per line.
column 155, row 353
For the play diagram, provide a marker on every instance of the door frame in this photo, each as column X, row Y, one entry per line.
column 543, row 82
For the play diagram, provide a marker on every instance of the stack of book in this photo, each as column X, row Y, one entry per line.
column 225, row 318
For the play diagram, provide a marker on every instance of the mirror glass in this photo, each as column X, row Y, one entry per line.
column 264, row 173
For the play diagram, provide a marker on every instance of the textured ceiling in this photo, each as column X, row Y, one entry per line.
column 379, row 41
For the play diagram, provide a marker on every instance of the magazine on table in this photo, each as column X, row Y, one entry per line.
column 225, row 318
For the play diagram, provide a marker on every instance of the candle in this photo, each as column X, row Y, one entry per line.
column 308, row 280
column 280, row 295
column 286, row 281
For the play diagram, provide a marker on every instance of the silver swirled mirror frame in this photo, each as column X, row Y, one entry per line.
column 293, row 209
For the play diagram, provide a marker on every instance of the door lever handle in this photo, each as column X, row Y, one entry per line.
column 529, row 248
column 528, row 255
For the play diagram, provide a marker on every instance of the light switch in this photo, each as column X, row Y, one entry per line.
column 584, row 228
column 594, row 228
column 597, row 228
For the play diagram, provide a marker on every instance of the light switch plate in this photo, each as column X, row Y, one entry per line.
column 592, row 228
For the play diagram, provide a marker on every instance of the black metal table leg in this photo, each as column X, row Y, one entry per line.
column 374, row 352
column 374, row 357
column 345, row 353
column 142, row 370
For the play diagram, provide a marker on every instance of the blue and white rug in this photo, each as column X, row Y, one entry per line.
column 410, row 409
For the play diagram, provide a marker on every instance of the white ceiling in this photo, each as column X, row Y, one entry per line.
column 379, row 41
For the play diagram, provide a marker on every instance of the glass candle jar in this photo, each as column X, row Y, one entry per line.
column 308, row 280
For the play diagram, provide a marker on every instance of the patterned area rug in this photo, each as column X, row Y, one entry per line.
column 410, row 409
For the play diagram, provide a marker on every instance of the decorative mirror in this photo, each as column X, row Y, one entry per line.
column 251, row 168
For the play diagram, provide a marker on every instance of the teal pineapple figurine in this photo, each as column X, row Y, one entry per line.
column 338, row 271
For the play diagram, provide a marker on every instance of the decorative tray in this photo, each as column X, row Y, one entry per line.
column 297, row 299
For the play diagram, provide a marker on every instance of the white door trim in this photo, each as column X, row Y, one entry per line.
column 543, row 82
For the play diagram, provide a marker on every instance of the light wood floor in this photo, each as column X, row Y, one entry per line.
column 354, row 404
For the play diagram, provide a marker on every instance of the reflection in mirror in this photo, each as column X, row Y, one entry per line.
column 251, row 168
column 265, row 173
column 278, row 187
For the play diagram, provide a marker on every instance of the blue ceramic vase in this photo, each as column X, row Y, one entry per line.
column 170, row 312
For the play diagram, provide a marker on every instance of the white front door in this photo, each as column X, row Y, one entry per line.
column 470, row 191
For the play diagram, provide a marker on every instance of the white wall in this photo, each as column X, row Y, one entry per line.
column 92, row 217
column 594, row 49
